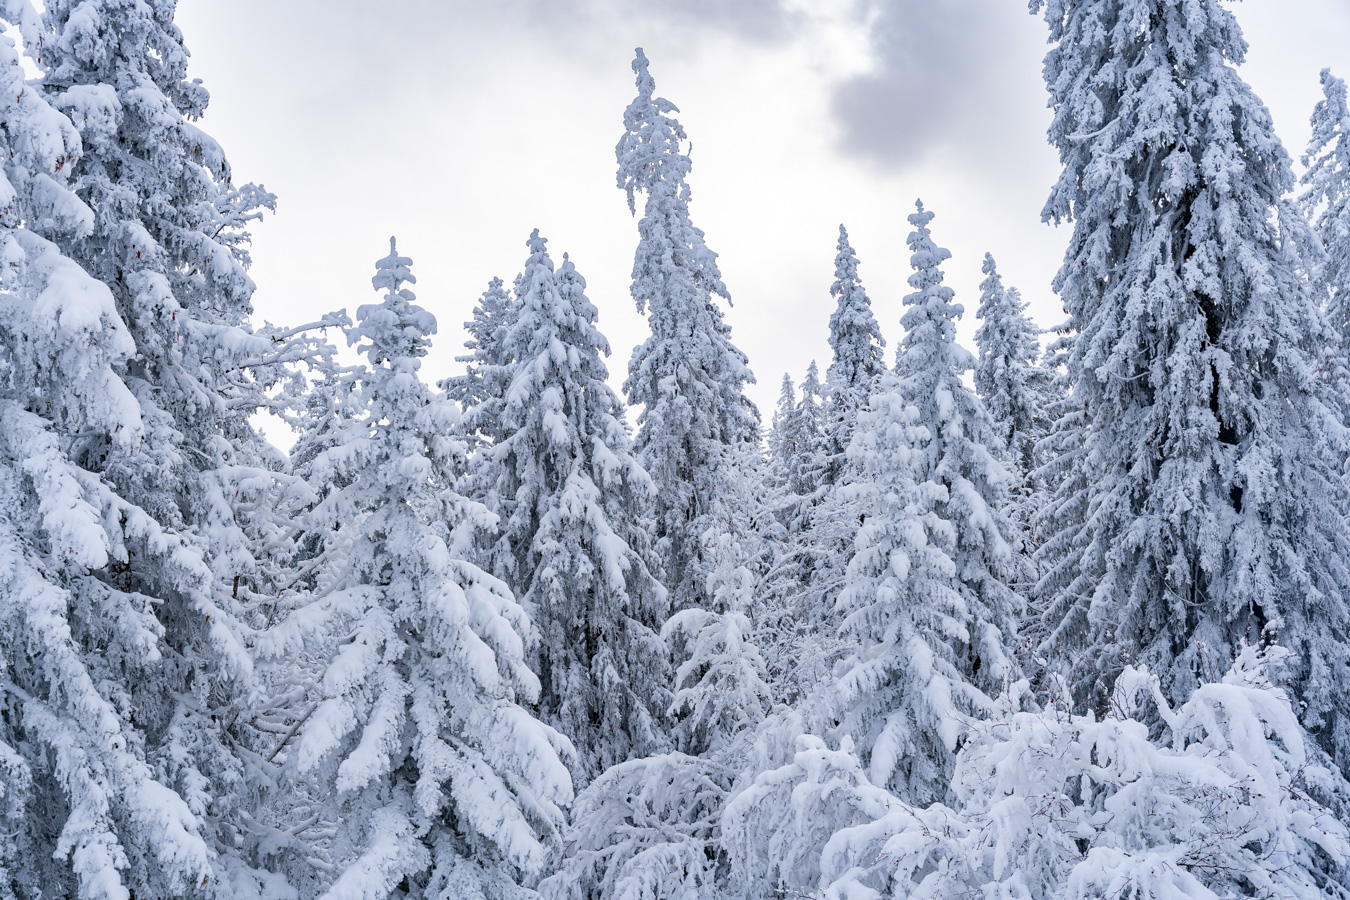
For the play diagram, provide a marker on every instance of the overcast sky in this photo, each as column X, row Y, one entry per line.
column 460, row 126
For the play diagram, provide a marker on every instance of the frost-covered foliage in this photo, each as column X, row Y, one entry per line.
column 720, row 687
column 574, row 543
column 1213, row 511
column 857, row 343
column 687, row 376
column 926, row 598
column 777, row 828
column 481, row 390
column 436, row 778
column 783, row 445
column 646, row 830
column 377, row 668
column 1326, row 199
column 1057, row 806
column 799, row 444
column 143, row 520
column 812, row 575
column 1013, row 387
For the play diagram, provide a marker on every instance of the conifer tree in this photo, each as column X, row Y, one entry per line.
column 797, row 439
column 436, row 780
column 1326, row 200
column 856, row 340
column 132, row 391
column 926, row 594
column 1212, row 513
column 86, row 813
column 782, row 439
column 822, row 544
column 810, row 425
column 687, row 376
column 481, row 390
column 1012, row 386
column 574, row 542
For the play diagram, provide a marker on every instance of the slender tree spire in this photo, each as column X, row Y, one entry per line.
column 687, row 376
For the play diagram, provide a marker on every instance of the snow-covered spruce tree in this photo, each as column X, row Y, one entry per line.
column 820, row 550
column 1326, row 200
column 782, row 439
column 1010, row 382
column 1069, row 807
column 812, row 460
column 482, row 387
column 687, row 376
column 129, row 684
column 857, row 343
column 1213, row 513
column 797, row 443
column 1055, row 526
column 646, row 829
column 926, row 598
column 436, row 780
column 721, row 692
column 86, row 814
column 573, row 542
column 649, row 827
column 167, row 238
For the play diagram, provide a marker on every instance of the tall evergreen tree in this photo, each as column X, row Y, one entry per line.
column 926, row 594
column 687, row 376
column 1326, row 199
column 436, row 780
column 782, row 439
column 1212, row 513
column 137, row 681
column 856, row 340
column 481, row 390
column 574, row 542
column 823, row 541
column 797, row 439
column 811, row 425
column 1008, row 378
column 88, row 811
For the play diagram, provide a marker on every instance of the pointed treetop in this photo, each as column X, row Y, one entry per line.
column 649, row 151
column 393, row 271
column 846, row 262
column 929, row 291
column 397, row 330
column 990, row 269
column 538, row 246
column 855, row 336
column 646, row 84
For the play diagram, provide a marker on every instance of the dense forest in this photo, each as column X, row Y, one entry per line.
column 1066, row 616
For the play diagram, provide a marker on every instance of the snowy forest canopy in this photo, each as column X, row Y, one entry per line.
column 1063, row 618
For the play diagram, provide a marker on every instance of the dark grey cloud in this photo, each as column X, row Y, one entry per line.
column 949, row 73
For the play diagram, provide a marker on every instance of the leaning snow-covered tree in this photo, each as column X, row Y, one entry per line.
column 437, row 781
column 573, row 542
column 687, row 376
column 926, row 597
column 1213, row 511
